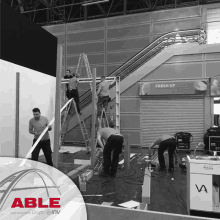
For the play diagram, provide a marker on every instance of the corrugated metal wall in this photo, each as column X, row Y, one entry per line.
column 111, row 42
column 163, row 115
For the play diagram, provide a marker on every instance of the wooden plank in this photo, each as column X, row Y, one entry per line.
column 88, row 174
column 83, row 162
column 74, row 173
column 146, row 188
column 122, row 161
column 107, row 203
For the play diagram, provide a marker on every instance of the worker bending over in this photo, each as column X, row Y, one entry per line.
column 36, row 126
column 68, row 76
column 113, row 142
column 103, row 95
column 73, row 91
column 165, row 142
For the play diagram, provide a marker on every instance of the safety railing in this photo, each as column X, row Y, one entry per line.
column 171, row 38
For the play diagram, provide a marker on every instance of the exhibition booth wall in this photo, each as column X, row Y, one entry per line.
column 36, row 90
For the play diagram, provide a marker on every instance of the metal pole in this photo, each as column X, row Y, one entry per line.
column 127, row 153
column 57, row 108
column 17, row 115
column 93, row 147
column 65, row 60
column 117, row 104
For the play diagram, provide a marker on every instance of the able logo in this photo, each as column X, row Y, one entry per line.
column 36, row 190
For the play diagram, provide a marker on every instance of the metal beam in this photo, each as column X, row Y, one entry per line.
column 70, row 12
column 17, row 115
column 125, row 7
column 110, row 8
column 89, row 80
column 93, row 146
column 85, row 12
column 45, row 3
column 57, row 108
column 101, row 9
column 148, row 3
column 119, row 1
column 20, row 6
column 155, row 4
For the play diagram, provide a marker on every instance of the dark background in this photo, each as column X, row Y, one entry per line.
column 26, row 44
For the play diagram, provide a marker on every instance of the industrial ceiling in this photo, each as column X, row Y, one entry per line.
column 50, row 12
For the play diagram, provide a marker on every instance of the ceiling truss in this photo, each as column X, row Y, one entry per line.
column 50, row 12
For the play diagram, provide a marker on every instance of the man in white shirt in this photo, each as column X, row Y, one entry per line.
column 36, row 126
column 73, row 91
column 103, row 94
column 165, row 142
column 113, row 142
column 67, row 76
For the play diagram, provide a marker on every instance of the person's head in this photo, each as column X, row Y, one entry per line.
column 68, row 72
column 36, row 113
column 111, row 125
column 74, row 75
column 102, row 78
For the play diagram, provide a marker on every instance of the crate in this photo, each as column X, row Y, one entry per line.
column 214, row 143
column 182, row 145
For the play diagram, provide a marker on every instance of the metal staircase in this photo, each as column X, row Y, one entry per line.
column 185, row 36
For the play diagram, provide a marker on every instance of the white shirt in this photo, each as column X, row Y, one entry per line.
column 162, row 138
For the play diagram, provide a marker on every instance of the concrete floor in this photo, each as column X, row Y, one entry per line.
column 167, row 195
column 168, row 191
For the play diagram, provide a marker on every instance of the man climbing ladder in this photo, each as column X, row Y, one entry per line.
column 103, row 95
column 73, row 91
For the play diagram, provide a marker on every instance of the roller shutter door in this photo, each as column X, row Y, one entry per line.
column 166, row 115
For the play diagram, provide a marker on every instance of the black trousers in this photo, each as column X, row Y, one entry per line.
column 102, row 103
column 45, row 146
column 75, row 95
column 110, row 162
column 169, row 144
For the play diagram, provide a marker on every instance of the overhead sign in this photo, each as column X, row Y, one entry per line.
column 179, row 87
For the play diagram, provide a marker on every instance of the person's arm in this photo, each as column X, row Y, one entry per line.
column 152, row 146
column 99, row 89
column 100, row 141
column 123, row 146
column 77, row 83
column 175, row 156
column 50, row 127
column 31, row 128
column 111, row 83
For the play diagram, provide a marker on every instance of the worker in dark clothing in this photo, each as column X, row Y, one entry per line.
column 73, row 91
column 165, row 142
column 113, row 142
column 67, row 76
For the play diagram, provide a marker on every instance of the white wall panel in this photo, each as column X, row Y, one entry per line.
column 7, row 109
column 36, row 90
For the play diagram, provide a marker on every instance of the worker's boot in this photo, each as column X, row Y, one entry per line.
column 171, row 170
column 162, row 169
column 112, row 173
column 103, row 173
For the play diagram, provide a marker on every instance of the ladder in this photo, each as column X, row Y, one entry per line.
column 85, row 134
column 83, row 57
column 65, row 123
column 82, row 125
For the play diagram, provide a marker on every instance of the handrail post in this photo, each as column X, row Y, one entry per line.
column 57, row 109
column 17, row 115
column 127, row 153
column 93, row 147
